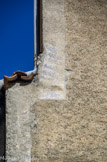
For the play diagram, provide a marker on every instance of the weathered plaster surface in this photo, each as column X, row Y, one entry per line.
column 52, row 68
column 73, row 130
column 19, row 122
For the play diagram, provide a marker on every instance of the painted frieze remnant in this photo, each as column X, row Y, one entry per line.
column 52, row 71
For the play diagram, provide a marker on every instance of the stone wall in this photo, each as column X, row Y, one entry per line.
column 74, row 129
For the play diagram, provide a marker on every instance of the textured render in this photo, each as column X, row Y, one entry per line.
column 73, row 130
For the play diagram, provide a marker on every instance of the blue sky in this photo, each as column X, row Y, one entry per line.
column 16, row 36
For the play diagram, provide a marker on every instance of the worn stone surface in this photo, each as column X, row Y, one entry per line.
column 19, row 122
column 71, row 130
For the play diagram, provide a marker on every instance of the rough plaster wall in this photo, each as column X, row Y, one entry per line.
column 19, row 121
column 75, row 129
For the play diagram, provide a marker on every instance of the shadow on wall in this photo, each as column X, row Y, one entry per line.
column 2, row 125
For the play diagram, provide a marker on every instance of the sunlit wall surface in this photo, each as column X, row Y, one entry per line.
column 16, row 36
